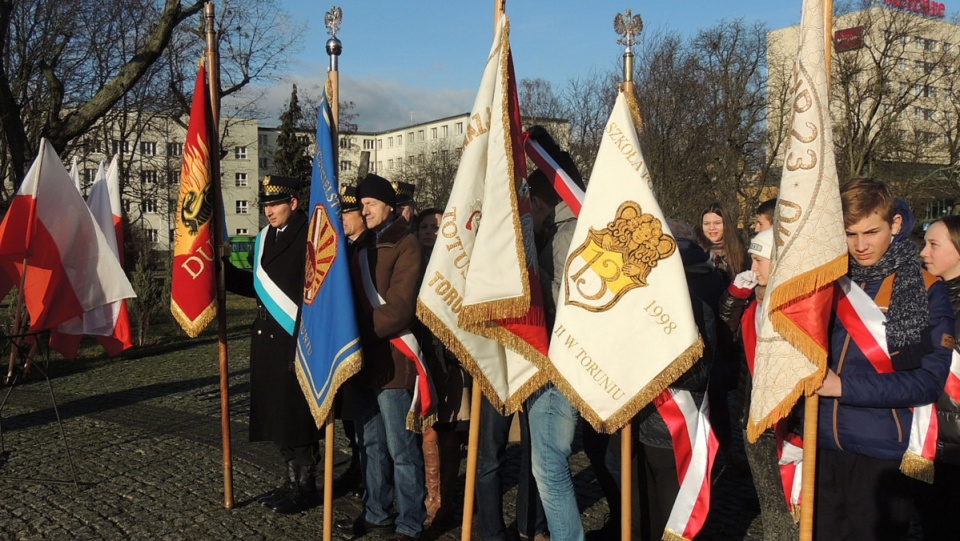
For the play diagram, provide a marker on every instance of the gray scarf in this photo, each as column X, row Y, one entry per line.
column 909, row 312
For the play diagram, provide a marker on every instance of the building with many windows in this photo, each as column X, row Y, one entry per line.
column 151, row 155
column 895, row 98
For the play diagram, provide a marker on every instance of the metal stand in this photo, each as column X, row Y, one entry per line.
column 22, row 367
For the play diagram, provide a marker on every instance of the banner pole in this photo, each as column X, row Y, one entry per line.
column 334, row 47
column 473, row 446
column 473, row 442
column 626, row 481
column 213, row 84
column 811, row 413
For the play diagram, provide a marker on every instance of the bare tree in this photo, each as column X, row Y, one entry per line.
column 703, row 104
column 880, row 84
column 71, row 65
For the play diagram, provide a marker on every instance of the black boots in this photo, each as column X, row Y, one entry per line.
column 298, row 494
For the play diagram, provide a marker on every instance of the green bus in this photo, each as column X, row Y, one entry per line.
column 241, row 251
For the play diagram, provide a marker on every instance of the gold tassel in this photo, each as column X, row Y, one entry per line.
column 918, row 467
column 670, row 535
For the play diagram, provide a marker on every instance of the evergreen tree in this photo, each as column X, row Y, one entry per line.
column 291, row 158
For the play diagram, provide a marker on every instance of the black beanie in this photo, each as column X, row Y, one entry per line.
column 379, row 188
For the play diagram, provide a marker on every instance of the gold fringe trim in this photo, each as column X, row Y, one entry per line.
column 418, row 424
column 475, row 315
column 347, row 369
column 633, row 406
column 449, row 339
column 670, row 535
column 193, row 327
column 792, row 291
column 918, row 467
column 803, row 285
column 634, row 111
column 795, row 512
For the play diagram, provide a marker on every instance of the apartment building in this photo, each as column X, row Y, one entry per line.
column 895, row 95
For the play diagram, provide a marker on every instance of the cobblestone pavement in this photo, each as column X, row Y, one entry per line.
column 145, row 437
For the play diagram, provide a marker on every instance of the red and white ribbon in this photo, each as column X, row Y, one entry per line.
column 953, row 378
column 865, row 322
column 422, row 412
column 695, row 448
column 571, row 194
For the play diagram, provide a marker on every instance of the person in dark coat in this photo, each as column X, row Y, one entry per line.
column 386, row 267
column 278, row 408
column 867, row 398
column 940, row 501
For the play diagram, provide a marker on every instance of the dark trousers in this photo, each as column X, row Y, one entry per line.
column 861, row 498
column 595, row 446
column 491, row 464
column 656, row 490
column 939, row 503
column 305, row 455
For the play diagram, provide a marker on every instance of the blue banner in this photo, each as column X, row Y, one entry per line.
column 328, row 343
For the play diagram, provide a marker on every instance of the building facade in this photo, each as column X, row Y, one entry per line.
column 894, row 99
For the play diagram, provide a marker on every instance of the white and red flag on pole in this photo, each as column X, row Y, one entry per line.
column 485, row 192
column 193, row 296
column 109, row 323
column 70, row 268
column 811, row 250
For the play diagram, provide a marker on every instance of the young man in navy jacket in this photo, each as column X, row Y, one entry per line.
column 877, row 372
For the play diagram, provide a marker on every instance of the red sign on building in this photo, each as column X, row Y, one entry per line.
column 848, row 39
column 923, row 7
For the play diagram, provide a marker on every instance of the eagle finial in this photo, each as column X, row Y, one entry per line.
column 332, row 20
column 628, row 26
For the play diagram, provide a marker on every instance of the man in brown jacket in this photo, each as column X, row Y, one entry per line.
column 386, row 269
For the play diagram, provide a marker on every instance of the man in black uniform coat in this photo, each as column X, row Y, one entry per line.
column 278, row 408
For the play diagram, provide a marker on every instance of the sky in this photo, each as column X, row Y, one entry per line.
column 405, row 62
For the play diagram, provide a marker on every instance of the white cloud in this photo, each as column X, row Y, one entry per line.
column 381, row 104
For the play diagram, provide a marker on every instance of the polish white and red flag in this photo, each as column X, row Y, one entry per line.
column 109, row 323
column 51, row 244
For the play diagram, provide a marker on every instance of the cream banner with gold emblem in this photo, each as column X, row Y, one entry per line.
column 811, row 249
column 505, row 377
column 625, row 328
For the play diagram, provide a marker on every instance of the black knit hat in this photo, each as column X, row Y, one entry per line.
column 379, row 188
column 274, row 189
column 405, row 192
column 348, row 198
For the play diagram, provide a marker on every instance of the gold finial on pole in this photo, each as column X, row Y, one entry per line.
column 628, row 26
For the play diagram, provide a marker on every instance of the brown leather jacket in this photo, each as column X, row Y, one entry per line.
column 394, row 261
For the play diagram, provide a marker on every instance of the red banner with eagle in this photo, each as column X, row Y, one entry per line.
column 193, row 295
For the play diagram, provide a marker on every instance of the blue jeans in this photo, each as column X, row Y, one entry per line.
column 384, row 440
column 553, row 422
column 491, row 467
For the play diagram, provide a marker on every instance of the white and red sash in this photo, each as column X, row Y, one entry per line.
column 789, row 445
column 571, row 194
column 865, row 322
column 953, row 378
column 695, row 448
column 423, row 408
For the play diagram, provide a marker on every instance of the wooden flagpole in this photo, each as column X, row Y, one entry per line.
column 213, row 84
column 334, row 48
column 626, row 433
column 473, row 442
column 811, row 413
